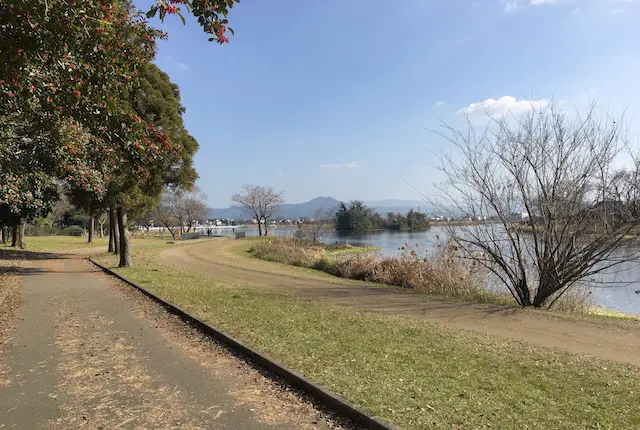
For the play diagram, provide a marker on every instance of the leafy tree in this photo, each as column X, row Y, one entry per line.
column 35, row 194
column 64, row 69
column 92, row 204
column 211, row 15
column 356, row 217
column 417, row 221
column 67, row 71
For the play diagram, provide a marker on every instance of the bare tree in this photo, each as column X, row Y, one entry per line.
column 323, row 222
column 259, row 202
column 180, row 210
column 102, row 219
column 192, row 207
column 553, row 208
column 167, row 214
column 60, row 208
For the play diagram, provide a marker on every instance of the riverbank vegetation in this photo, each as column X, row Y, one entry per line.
column 302, row 253
column 414, row 374
column 355, row 216
column 442, row 272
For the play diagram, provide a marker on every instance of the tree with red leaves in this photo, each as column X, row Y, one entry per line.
column 66, row 69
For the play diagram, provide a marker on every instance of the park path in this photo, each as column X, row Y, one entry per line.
column 86, row 351
column 610, row 339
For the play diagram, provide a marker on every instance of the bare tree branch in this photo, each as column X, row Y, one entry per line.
column 557, row 198
column 262, row 203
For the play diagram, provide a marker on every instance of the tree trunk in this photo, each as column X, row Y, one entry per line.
column 18, row 234
column 111, row 230
column 92, row 226
column 114, row 242
column 266, row 222
column 259, row 228
column 101, row 224
column 125, row 248
column 4, row 234
column 14, row 235
column 21, row 228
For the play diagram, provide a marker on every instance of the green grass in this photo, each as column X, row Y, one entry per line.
column 61, row 243
column 413, row 374
column 613, row 314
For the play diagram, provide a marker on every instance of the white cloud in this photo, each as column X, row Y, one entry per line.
column 513, row 5
column 503, row 106
column 617, row 11
column 347, row 165
column 510, row 6
column 440, row 103
column 539, row 2
column 182, row 66
column 279, row 173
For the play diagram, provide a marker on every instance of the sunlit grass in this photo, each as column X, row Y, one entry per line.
column 415, row 374
column 60, row 243
column 613, row 314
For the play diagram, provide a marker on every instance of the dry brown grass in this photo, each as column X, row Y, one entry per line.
column 288, row 251
column 442, row 273
column 10, row 301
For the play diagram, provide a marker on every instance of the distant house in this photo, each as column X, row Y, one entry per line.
column 519, row 216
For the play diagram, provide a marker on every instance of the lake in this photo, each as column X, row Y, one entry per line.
column 616, row 291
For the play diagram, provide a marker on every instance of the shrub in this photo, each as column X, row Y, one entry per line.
column 443, row 274
column 288, row 251
column 74, row 230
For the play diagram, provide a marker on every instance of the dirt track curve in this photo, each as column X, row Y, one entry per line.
column 613, row 339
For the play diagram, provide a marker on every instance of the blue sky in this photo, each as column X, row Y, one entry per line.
column 334, row 98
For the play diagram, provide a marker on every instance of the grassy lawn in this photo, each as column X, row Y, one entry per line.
column 61, row 243
column 65, row 243
column 415, row 375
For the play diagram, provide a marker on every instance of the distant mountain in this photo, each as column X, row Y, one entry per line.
column 307, row 209
column 287, row 210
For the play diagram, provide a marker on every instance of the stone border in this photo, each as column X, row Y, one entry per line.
column 321, row 394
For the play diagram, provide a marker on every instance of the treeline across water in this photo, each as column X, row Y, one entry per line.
column 355, row 216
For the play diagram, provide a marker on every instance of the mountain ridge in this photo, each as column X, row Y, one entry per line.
column 307, row 209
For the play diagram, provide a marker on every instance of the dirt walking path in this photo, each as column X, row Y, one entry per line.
column 87, row 352
column 612, row 339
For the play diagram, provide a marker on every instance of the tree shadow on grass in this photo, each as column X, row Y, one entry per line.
column 18, row 254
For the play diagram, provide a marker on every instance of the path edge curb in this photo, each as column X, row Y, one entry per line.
column 333, row 401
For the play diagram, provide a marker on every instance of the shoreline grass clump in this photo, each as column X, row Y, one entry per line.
column 442, row 274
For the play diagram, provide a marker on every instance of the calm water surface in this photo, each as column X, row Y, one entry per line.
column 616, row 291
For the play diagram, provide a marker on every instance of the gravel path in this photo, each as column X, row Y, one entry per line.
column 84, row 351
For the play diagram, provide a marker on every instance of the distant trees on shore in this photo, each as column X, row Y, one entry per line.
column 355, row 216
